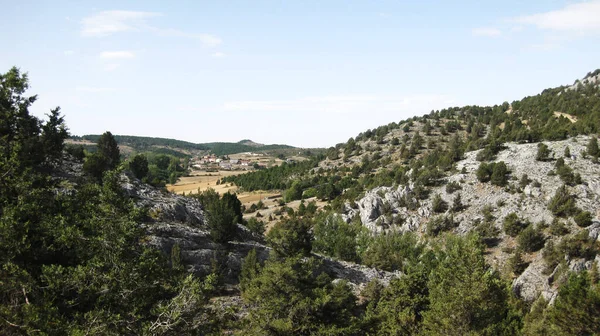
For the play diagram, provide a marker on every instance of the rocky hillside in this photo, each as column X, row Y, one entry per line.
column 180, row 220
column 384, row 208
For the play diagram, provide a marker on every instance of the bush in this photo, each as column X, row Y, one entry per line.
column 513, row 225
column 139, row 166
column 439, row 224
column 516, row 262
column 583, row 218
column 543, row 152
column 256, row 226
column 452, row 187
column 291, row 237
column 495, row 172
column 530, row 239
column 558, row 228
column 438, row 205
column 499, row 174
column 563, row 203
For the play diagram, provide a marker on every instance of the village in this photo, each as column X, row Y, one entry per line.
column 241, row 161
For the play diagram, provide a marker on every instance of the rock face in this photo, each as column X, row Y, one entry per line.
column 379, row 208
column 180, row 220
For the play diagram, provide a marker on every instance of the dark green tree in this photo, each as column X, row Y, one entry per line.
column 139, row 166
column 291, row 237
column 107, row 147
column 592, row 147
column 466, row 297
column 543, row 153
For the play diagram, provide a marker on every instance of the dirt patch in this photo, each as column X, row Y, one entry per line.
column 571, row 118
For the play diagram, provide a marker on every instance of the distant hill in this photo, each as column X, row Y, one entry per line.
column 172, row 146
column 226, row 148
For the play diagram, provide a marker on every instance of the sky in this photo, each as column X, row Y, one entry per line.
column 303, row 73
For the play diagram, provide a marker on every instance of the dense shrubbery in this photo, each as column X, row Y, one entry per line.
column 72, row 258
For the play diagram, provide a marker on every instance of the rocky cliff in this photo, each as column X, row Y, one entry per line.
column 384, row 209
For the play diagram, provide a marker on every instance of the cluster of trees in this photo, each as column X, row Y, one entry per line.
column 72, row 258
column 226, row 148
column 144, row 143
column 445, row 289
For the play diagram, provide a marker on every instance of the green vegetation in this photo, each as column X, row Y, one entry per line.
column 513, row 225
column 226, row 148
column 72, row 259
column 495, row 172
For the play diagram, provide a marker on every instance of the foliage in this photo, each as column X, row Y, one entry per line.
column 562, row 203
column 575, row 311
column 256, row 226
column 336, row 238
column 513, row 225
column 139, row 166
column 392, row 251
column 291, row 237
column 543, row 153
column 438, row 205
column 583, row 218
column 439, row 224
column 495, row 172
column 292, row 297
column 466, row 297
column 530, row 239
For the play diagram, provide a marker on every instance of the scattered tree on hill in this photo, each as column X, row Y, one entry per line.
column 592, row 147
column 513, row 225
column 543, row 153
column 563, row 203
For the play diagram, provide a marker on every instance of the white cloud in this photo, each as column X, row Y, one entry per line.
column 93, row 89
column 218, row 55
column 123, row 54
column 581, row 17
column 485, row 31
column 111, row 22
column 68, row 52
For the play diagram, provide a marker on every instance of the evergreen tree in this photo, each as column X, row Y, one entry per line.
column 139, row 166
column 466, row 298
column 592, row 147
column 107, row 147
column 543, row 153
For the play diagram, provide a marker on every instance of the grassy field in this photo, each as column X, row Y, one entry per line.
column 201, row 180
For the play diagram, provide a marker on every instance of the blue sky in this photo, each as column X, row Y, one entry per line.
column 305, row 73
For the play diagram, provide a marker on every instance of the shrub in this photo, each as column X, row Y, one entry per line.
column 558, row 228
column 592, row 147
column 457, row 204
column 524, row 181
column 583, row 218
column 291, row 237
column 530, row 239
column 256, row 226
column 500, row 174
column 452, row 187
column 563, row 203
column 438, row 205
column 439, row 224
column 488, row 232
column 516, row 262
column 513, row 225
column 543, row 152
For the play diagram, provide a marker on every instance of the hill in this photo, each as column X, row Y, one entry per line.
column 470, row 220
column 173, row 146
